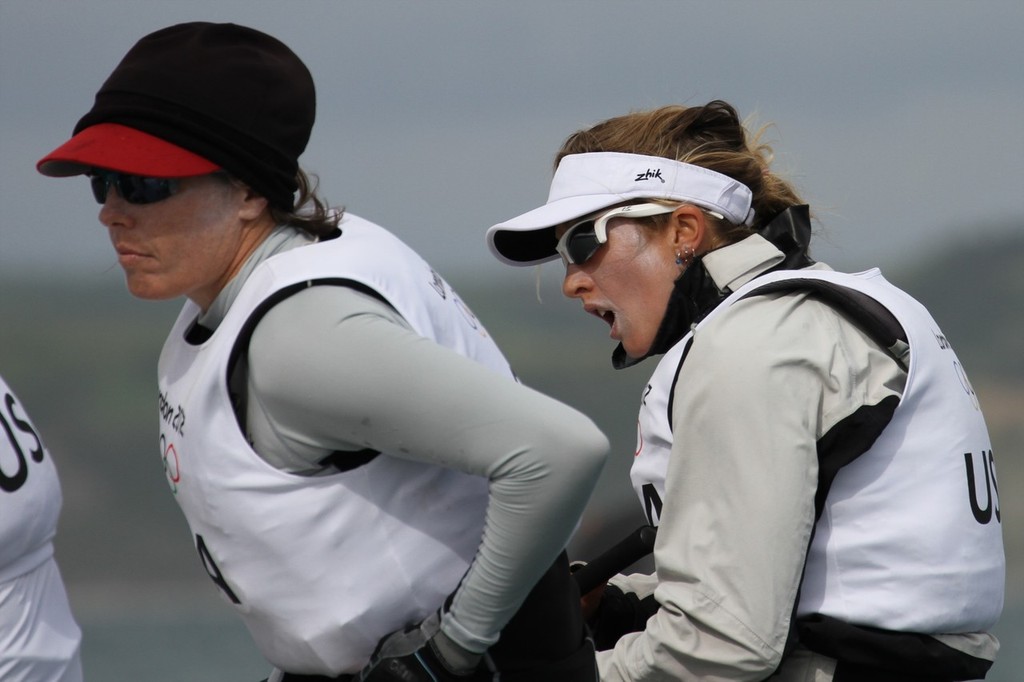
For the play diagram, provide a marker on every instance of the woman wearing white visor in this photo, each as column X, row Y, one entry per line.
column 809, row 446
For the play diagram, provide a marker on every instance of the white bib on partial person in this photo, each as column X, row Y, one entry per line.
column 39, row 638
column 30, row 494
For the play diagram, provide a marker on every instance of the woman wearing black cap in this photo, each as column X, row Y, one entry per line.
column 349, row 447
column 809, row 447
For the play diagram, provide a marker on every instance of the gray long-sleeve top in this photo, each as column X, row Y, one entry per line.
column 364, row 379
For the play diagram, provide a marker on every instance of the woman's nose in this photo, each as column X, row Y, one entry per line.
column 112, row 211
column 576, row 282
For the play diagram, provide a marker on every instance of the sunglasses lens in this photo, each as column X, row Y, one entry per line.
column 582, row 243
column 135, row 189
column 99, row 187
column 139, row 190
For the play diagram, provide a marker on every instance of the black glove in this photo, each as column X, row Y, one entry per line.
column 413, row 655
column 618, row 614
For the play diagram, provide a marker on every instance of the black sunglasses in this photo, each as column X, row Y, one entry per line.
column 135, row 189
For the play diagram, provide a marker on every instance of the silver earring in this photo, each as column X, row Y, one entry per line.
column 686, row 257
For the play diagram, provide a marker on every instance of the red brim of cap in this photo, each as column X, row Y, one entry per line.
column 116, row 147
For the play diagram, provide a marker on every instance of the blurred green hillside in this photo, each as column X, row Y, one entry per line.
column 81, row 355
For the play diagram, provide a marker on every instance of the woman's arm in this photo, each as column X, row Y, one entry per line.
column 335, row 369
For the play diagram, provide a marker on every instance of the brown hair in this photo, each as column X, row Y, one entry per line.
column 311, row 213
column 711, row 136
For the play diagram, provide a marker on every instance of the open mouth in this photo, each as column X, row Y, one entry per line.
column 607, row 315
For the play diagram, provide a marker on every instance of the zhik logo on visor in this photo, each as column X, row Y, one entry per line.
column 649, row 175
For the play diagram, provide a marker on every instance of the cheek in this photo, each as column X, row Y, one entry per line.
column 636, row 272
column 645, row 299
column 212, row 214
column 645, row 276
column 209, row 231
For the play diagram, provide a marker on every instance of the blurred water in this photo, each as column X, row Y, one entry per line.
column 214, row 649
column 173, row 649
column 1009, row 666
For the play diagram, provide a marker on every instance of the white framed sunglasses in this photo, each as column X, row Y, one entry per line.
column 581, row 241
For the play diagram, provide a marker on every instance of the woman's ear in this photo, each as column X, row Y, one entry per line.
column 253, row 205
column 687, row 228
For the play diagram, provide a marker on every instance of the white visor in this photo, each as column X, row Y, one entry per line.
column 586, row 183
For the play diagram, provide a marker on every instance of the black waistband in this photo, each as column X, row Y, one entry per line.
column 873, row 655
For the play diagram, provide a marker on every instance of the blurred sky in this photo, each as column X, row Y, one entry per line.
column 901, row 122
